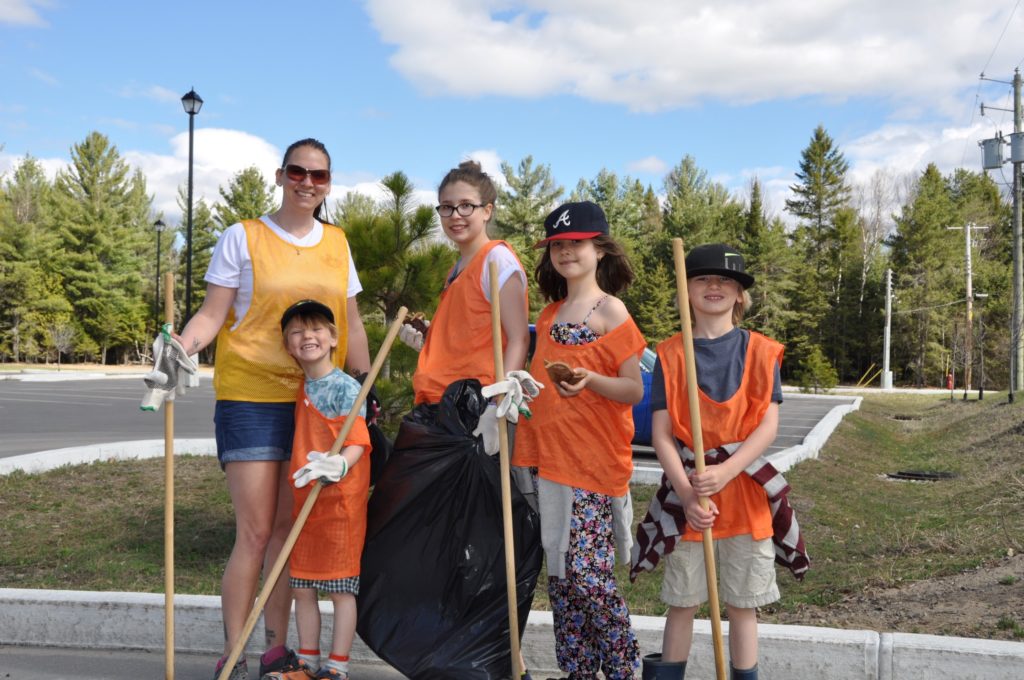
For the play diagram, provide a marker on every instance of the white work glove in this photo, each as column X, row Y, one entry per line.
column 328, row 469
column 519, row 388
column 411, row 336
column 172, row 368
column 487, row 429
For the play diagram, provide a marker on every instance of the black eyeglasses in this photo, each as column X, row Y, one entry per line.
column 297, row 173
column 464, row 209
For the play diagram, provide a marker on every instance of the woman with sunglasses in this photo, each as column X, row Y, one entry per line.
column 260, row 267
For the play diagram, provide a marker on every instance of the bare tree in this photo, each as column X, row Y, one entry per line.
column 62, row 338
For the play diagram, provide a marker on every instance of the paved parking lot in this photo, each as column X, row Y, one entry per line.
column 41, row 416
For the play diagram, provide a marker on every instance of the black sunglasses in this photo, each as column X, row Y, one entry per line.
column 297, row 173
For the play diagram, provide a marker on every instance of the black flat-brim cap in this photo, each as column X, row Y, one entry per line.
column 306, row 307
column 718, row 259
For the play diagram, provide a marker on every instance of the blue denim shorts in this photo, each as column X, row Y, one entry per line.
column 247, row 430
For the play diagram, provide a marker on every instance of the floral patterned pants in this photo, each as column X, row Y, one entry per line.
column 592, row 626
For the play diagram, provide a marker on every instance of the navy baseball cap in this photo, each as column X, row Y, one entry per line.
column 718, row 259
column 574, row 221
column 308, row 307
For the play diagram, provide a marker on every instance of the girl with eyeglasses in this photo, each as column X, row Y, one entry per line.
column 259, row 267
column 457, row 345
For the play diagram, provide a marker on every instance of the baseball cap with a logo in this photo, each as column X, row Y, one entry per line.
column 718, row 259
column 574, row 221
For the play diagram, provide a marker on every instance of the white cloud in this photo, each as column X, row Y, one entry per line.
column 652, row 165
column 43, row 76
column 154, row 92
column 218, row 154
column 23, row 12
column 652, row 55
column 8, row 163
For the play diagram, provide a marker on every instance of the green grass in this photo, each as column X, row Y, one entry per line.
column 100, row 526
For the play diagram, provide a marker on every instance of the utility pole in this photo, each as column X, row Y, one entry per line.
column 992, row 158
column 969, row 330
column 1017, row 349
column 886, row 373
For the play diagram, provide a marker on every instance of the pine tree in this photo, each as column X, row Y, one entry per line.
column 531, row 194
column 206, row 230
column 697, row 209
column 101, row 213
column 247, row 197
column 821, row 197
column 927, row 280
column 30, row 292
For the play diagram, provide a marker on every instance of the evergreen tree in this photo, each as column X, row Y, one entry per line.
column 101, row 214
column 398, row 261
column 206, row 230
column 531, row 194
column 822, row 240
column 247, row 197
column 697, row 209
column 353, row 207
column 771, row 262
column 30, row 291
column 926, row 280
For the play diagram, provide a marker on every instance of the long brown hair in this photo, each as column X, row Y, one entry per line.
column 614, row 273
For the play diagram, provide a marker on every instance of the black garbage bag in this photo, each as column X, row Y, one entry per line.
column 432, row 595
column 380, row 451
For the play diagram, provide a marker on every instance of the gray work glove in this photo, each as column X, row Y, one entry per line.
column 172, row 367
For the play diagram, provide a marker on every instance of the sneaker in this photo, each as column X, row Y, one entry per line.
column 240, row 671
column 288, row 667
column 330, row 674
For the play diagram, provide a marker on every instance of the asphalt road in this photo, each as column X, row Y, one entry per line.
column 40, row 416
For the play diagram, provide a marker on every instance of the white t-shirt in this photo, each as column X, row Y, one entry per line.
column 508, row 265
column 231, row 266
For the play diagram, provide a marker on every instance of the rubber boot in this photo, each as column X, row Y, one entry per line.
column 656, row 669
column 746, row 674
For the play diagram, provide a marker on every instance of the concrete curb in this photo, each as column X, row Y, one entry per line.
column 117, row 620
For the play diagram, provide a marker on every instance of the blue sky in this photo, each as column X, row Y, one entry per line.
column 628, row 85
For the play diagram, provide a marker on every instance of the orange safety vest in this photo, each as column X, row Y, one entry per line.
column 581, row 441
column 458, row 345
column 252, row 363
column 331, row 542
column 743, row 503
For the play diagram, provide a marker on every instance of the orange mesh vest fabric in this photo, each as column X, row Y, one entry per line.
column 743, row 503
column 458, row 344
column 581, row 441
column 251, row 362
column 331, row 542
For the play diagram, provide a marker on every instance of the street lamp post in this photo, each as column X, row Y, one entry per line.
column 160, row 227
column 192, row 102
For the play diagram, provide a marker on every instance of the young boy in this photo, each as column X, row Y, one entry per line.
column 327, row 552
column 740, row 393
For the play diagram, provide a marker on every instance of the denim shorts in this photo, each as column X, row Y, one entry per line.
column 247, row 431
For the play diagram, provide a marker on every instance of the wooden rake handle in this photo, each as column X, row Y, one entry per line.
column 683, row 299
column 300, row 520
column 506, row 474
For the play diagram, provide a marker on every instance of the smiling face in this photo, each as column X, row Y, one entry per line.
column 311, row 342
column 470, row 231
column 304, row 194
column 714, row 295
column 574, row 259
